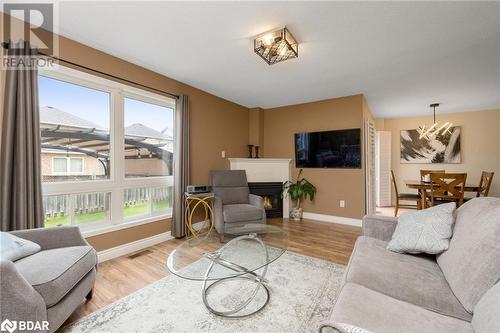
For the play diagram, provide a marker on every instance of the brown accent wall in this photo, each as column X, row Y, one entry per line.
column 128, row 235
column 480, row 146
column 280, row 125
column 216, row 125
column 256, row 129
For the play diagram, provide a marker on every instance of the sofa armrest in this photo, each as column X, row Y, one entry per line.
column 380, row 227
column 52, row 238
column 19, row 301
column 256, row 200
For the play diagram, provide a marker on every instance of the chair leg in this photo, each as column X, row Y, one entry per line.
column 90, row 294
column 396, row 208
column 221, row 238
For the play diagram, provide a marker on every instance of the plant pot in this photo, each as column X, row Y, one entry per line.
column 296, row 214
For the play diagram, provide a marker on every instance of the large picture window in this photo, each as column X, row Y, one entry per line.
column 107, row 151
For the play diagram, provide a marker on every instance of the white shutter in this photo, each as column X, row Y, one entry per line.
column 383, row 168
column 370, row 166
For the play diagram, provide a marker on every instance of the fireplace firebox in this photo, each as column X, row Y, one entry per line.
column 271, row 192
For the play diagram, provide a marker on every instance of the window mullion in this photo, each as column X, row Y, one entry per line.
column 117, row 156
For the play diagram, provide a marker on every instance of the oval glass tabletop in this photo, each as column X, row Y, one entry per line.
column 243, row 250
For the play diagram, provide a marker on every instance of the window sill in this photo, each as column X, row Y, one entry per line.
column 104, row 229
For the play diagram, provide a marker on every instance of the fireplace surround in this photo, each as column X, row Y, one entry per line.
column 271, row 192
column 265, row 170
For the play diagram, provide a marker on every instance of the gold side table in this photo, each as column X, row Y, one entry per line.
column 197, row 201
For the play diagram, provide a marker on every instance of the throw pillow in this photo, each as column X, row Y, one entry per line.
column 425, row 231
column 14, row 248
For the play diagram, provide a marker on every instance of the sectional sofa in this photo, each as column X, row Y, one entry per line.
column 457, row 291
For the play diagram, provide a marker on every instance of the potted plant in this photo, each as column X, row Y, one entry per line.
column 298, row 190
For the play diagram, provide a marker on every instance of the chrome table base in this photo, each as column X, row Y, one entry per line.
column 243, row 274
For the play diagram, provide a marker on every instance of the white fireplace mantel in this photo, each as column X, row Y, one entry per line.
column 265, row 170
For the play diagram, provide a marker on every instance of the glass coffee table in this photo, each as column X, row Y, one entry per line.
column 232, row 268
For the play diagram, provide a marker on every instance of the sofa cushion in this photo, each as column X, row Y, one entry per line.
column 487, row 312
column 53, row 273
column 416, row 279
column 232, row 195
column 241, row 213
column 471, row 264
column 374, row 311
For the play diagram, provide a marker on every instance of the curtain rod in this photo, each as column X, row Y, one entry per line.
column 6, row 47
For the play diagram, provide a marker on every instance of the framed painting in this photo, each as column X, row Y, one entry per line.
column 438, row 149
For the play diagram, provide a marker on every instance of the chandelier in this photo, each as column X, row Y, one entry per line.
column 276, row 46
column 435, row 129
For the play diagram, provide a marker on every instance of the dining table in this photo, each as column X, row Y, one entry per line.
column 422, row 188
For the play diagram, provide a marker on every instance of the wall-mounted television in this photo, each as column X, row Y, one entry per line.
column 328, row 149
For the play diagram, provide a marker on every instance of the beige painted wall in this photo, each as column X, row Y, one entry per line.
column 480, row 143
column 216, row 125
column 280, row 125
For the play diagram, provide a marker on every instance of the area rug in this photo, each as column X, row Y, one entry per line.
column 303, row 291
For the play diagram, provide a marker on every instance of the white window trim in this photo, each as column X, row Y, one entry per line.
column 117, row 181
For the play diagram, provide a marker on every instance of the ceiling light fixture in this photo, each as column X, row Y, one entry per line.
column 435, row 129
column 276, row 46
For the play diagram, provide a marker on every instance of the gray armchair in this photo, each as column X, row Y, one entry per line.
column 234, row 205
column 50, row 284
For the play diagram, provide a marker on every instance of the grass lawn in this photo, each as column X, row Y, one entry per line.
column 137, row 209
column 79, row 219
column 132, row 210
column 162, row 204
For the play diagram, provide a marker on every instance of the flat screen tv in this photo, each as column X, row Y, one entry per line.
column 328, row 149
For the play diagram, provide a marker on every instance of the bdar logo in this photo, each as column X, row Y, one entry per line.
column 8, row 325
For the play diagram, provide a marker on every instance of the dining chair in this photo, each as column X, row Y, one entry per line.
column 423, row 176
column 404, row 197
column 424, row 173
column 447, row 187
column 484, row 185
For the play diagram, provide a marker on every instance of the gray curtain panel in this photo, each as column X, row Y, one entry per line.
column 20, row 174
column 181, row 165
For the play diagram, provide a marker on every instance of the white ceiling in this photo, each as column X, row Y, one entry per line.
column 401, row 55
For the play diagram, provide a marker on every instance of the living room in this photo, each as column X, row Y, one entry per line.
column 250, row 166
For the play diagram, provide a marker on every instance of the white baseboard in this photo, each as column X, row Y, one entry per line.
column 135, row 246
column 332, row 219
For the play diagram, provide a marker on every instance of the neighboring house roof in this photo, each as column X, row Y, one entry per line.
column 52, row 115
column 168, row 132
column 144, row 131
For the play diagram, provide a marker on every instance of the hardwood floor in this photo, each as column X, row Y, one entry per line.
column 121, row 276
